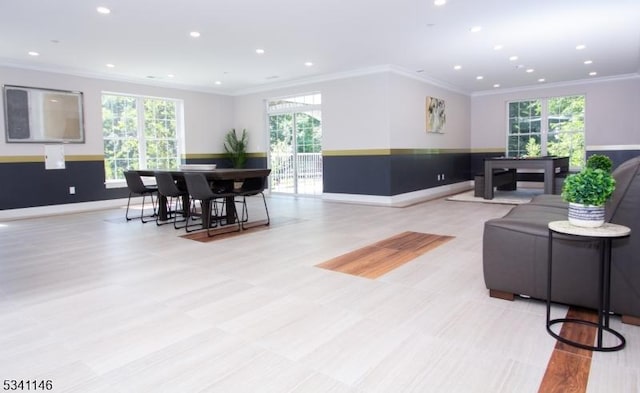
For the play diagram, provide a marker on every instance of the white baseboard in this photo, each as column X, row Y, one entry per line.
column 41, row 211
column 400, row 200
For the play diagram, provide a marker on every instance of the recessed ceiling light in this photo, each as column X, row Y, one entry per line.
column 260, row 51
column 439, row 2
column 479, row 77
column 308, row 64
column 457, row 67
column 581, row 47
column 217, row 82
column 475, row 29
column 194, row 34
column 513, row 58
column 33, row 53
column 103, row 10
column 170, row 76
column 530, row 70
column 593, row 73
column 110, row 65
column 588, row 62
column 498, row 47
column 541, row 80
column 496, row 85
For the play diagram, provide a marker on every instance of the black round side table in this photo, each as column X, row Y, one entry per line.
column 605, row 234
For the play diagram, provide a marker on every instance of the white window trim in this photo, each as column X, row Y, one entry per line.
column 121, row 183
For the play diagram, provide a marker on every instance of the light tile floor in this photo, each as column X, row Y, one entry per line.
column 97, row 304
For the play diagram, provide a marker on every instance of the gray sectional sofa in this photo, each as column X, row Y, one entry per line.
column 515, row 251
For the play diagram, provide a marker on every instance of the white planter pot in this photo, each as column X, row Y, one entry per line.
column 586, row 216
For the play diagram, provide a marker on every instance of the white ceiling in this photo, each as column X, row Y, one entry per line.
column 147, row 40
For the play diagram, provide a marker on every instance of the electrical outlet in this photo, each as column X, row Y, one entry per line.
column 442, row 177
column 72, row 190
column 438, row 177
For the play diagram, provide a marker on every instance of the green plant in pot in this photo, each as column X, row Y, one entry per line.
column 599, row 161
column 235, row 148
column 587, row 192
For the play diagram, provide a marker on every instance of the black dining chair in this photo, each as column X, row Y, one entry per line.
column 137, row 187
column 250, row 187
column 168, row 188
column 200, row 190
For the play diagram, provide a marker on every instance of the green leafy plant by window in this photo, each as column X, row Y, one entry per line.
column 236, row 148
column 533, row 148
column 599, row 161
column 589, row 187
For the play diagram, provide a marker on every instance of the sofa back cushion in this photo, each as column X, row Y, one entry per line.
column 623, row 204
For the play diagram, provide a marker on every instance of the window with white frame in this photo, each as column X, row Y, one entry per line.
column 139, row 133
column 547, row 126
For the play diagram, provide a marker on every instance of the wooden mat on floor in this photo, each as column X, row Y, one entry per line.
column 380, row 258
column 569, row 367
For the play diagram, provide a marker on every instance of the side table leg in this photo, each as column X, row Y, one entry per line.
column 549, row 256
column 607, row 282
column 601, row 306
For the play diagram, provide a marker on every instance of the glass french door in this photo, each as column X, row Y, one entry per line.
column 295, row 155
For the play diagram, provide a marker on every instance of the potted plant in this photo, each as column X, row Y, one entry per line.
column 599, row 161
column 587, row 192
column 236, row 151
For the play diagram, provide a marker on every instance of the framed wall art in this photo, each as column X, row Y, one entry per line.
column 435, row 115
column 36, row 115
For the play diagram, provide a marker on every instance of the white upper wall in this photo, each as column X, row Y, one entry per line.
column 612, row 112
column 384, row 110
column 407, row 103
column 355, row 113
column 206, row 116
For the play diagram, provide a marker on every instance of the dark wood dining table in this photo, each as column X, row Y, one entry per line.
column 220, row 179
column 551, row 165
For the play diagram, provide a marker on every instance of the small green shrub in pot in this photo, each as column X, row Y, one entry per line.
column 590, row 187
column 599, row 161
column 587, row 193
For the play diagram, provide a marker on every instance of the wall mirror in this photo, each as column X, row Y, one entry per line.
column 35, row 115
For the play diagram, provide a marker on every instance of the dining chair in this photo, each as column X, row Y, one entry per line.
column 200, row 190
column 168, row 188
column 137, row 187
column 250, row 187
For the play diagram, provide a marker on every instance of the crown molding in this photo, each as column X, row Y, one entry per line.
column 114, row 78
column 577, row 82
column 312, row 80
column 425, row 79
column 351, row 74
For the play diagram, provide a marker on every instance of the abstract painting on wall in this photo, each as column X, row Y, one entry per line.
column 436, row 117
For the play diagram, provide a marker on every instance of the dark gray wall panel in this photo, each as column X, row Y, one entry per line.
column 29, row 184
column 420, row 171
column 477, row 161
column 617, row 156
column 369, row 175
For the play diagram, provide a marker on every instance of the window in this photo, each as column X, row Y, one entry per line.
column 549, row 126
column 139, row 133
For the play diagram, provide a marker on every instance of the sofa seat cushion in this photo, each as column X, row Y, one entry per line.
column 549, row 200
column 530, row 219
